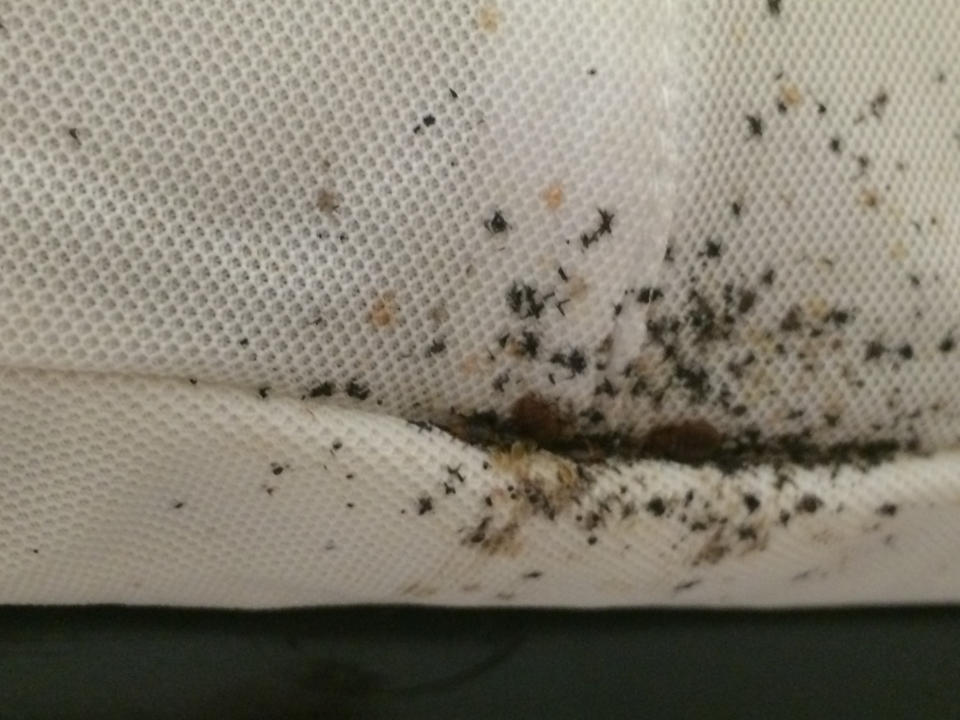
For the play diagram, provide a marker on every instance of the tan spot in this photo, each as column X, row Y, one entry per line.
column 577, row 287
column 328, row 201
column 553, row 196
column 382, row 311
column 869, row 198
column 790, row 95
column 898, row 251
column 489, row 18
column 817, row 307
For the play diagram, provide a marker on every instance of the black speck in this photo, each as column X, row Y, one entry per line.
column 453, row 94
column 736, row 208
column 905, row 351
column 72, row 132
column 358, row 390
column 747, row 300
column 947, row 344
column 888, row 509
column 532, row 575
column 178, row 504
column 193, row 381
column 836, row 145
column 562, row 274
column 449, row 489
column 439, row 345
column 839, row 317
column 429, row 120
column 863, row 162
column 773, row 7
column 751, row 501
column 575, row 361
column 592, row 71
column 263, row 392
column 808, row 503
column 686, row 585
column 276, row 468
column 648, row 295
column 496, row 224
column 875, row 349
column 617, row 309
column 755, row 123
column 244, row 342
column 324, row 389
column 500, row 381
column 530, row 344
column 336, row 445
column 821, row 109
column 455, row 472
column 424, row 504
column 768, row 276
column 656, row 507
column 879, row 104
column 606, row 222
column 791, row 321
column 350, row 505
column 712, row 249
column 592, row 540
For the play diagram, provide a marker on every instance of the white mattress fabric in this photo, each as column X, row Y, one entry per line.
column 479, row 303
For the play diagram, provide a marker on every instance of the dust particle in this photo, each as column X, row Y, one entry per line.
column 888, row 509
column 808, row 503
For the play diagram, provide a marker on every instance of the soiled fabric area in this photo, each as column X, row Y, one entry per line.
column 291, row 293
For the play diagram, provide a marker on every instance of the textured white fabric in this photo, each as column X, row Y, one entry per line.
column 243, row 244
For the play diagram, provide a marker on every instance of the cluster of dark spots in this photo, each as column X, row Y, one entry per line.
column 606, row 388
column 755, row 124
column 449, row 489
column 525, row 301
column 649, row 294
column 424, row 504
column 324, row 389
column 455, row 472
column 438, row 346
column 808, row 503
column 357, row 390
column 574, row 361
column 604, row 227
column 888, row 509
column 529, row 344
column 617, row 309
column 422, row 425
column 496, row 224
